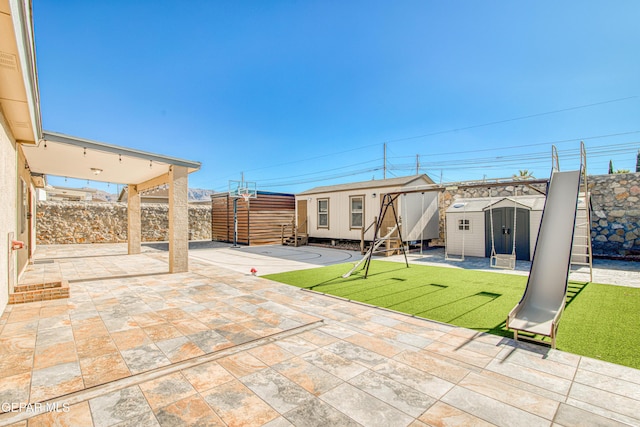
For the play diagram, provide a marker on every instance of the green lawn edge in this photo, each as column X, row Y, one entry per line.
column 600, row 321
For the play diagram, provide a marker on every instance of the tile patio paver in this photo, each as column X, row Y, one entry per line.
column 166, row 390
column 570, row 416
column 207, row 376
column 79, row 416
column 315, row 413
column 197, row 348
column 56, row 380
column 364, row 408
column 497, row 390
column 442, row 414
column 104, row 368
column 276, row 390
column 402, row 397
column 311, row 378
column 118, row 406
column 491, row 410
column 238, row 406
column 192, row 410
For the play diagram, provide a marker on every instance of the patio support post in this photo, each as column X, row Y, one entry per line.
column 178, row 219
column 134, row 225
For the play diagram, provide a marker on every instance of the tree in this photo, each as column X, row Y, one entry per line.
column 622, row 171
column 638, row 162
column 523, row 174
column 610, row 167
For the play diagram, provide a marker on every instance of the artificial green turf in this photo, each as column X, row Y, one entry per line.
column 599, row 321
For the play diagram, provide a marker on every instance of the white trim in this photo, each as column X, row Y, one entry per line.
column 23, row 28
column 115, row 149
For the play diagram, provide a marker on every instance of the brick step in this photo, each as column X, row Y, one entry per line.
column 39, row 292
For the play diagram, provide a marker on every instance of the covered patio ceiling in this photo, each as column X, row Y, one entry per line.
column 73, row 157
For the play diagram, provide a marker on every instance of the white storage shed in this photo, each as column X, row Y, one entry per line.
column 468, row 225
column 340, row 212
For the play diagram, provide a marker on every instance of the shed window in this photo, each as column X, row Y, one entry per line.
column 323, row 213
column 357, row 211
column 464, row 225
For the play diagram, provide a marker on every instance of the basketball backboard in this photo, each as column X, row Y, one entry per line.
column 243, row 189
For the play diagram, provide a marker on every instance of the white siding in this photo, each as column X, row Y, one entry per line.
column 420, row 216
column 339, row 213
column 473, row 238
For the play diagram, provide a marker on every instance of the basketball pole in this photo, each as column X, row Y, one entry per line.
column 235, row 222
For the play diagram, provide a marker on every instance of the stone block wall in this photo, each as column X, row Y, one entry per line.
column 88, row 222
column 615, row 218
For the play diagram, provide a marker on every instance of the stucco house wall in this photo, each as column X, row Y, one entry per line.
column 8, row 220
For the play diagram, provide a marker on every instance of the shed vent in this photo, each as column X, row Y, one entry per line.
column 19, row 124
column 8, row 61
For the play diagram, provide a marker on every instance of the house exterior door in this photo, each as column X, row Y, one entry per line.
column 503, row 229
column 302, row 217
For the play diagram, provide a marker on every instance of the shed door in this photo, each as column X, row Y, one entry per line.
column 503, row 228
column 302, row 216
column 388, row 221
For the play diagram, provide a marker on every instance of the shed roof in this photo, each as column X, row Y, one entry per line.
column 376, row 183
column 534, row 203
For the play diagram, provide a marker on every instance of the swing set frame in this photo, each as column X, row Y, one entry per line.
column 390, row 198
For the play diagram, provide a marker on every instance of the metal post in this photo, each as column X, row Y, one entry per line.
column 384, row 166
column 235, row 222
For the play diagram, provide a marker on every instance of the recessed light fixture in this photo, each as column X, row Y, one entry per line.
column 96, row 171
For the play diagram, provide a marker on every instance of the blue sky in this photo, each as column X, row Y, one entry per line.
column 297, row 94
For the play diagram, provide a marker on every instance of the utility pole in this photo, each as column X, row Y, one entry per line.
column 384, row 166
column 417, row 164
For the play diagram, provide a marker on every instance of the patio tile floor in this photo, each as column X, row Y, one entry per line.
column 217, row 347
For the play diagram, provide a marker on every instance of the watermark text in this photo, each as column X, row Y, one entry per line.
column 34, row 408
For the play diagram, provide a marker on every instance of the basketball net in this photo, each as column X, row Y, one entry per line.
column 245, row 196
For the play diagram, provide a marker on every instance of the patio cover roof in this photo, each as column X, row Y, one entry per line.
column 73, row 157
column 19, row 98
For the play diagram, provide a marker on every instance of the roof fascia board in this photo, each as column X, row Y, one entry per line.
column 23, row 28
column 334, row 189
column 380, row 183
column 114, row 149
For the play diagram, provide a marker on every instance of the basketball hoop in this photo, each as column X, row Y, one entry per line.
column 245, row 196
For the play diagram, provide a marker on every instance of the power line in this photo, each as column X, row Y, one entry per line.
column 458, row 154
column 451, row 131
column 512, row 119
column 531, row 159
column 323, row 178
column 318, row 172
column 562, row 141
